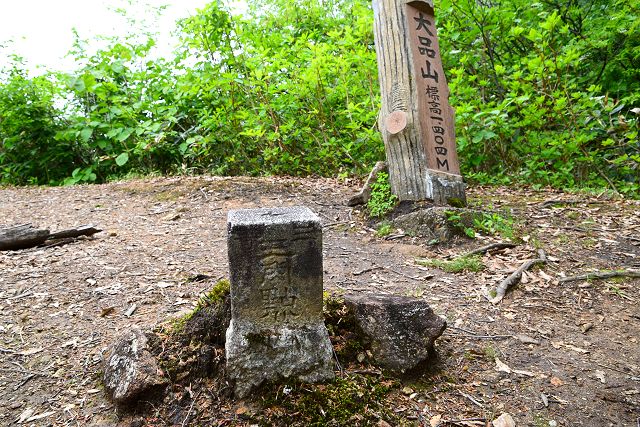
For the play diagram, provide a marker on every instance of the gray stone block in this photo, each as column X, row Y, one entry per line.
column 130, row 370
column 400, row 330
column 277, row 327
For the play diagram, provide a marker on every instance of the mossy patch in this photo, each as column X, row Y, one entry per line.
column 353, row 400
column 215, row 296
column 456, row 265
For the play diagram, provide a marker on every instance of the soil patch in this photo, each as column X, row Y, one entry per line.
column 566, row 352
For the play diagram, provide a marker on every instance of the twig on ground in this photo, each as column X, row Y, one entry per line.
column 366, row 270
column 395, row 236
column 6, row 350
column 463, row 421
column 338, row 364
column 365, row 372
column 26, row 380
column 552, row 202
column 472, row 334
column 184, row 422
column 468, row 396
column 490, row 247
column 614, row 369
column 418, row 278
column 333, row 224
column 515, row 277
column 600, row 275
column 363, row 196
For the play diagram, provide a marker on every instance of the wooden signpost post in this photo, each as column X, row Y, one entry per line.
column 416, row 120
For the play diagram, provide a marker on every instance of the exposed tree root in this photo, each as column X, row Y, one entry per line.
column 515, row 277
column 490, row 247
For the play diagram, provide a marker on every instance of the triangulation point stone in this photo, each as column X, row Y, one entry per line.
column 277, row 327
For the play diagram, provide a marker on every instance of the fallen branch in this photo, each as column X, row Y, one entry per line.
column 26, row 236
column 493, row 246
column 21, row 236
column 515, row 277
column 83, row 230
column 600, row 275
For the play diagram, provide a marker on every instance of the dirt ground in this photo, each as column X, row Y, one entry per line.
column 551, row 353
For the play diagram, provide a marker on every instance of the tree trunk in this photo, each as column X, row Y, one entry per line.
column 416, row 121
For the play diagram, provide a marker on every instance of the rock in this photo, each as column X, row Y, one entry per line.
column 433, row 222
column 400, row 330
column 504, row 420
column 130, row 369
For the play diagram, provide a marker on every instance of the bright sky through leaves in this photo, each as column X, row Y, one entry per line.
column 41, row 30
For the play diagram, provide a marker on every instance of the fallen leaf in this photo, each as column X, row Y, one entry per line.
column 407, row 390
column 242, row 410
column 600, row 375
column 107, row 311
column 586, row 327
column 71, row 343
column 556, row 382
column 93, row 391
column 435, row 420
column 164, row 285
column 41, row 416
column 576, row 349
column 502, row 367
column 504, row 420
column 25, row 415
column 545, row 399
column 525, row 373
column 545, row 276
column 526, row 339
column 30, row 351
column 131, row 310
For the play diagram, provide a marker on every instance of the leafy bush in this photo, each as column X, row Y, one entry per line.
column 382, row 201
column 29, row 121
column 545, row 93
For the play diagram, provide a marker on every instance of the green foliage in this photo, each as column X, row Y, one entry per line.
column 382, row 200
column 384, row 229
column 472, row 222
column 494, row 224
column 298, row 98
column 29, row 121
column 214, row 296
column 456, row 265
column 289, row 89
column 545, row 93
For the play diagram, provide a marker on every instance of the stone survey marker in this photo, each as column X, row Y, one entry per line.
column 277, row 327
column 416, row 120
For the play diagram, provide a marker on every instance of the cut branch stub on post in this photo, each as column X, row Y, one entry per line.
column 416, row 120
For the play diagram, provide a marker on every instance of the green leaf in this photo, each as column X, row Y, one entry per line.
column 85, row 134
column 122, row 159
